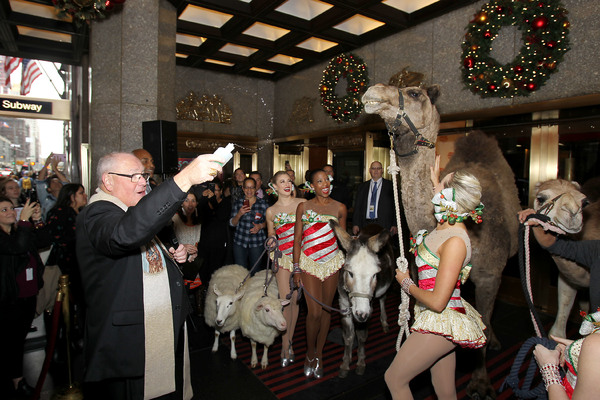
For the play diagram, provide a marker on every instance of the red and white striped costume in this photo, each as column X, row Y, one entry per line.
column 284, row 229
column 459, row 322
column 320, row 255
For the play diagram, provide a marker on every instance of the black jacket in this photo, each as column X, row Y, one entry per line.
column 386, row 210
column 14, row 257
column 108, row 250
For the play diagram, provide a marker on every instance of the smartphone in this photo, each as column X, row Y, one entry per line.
column 246, row 203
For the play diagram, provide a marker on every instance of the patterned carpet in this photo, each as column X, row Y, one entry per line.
column 512, row 326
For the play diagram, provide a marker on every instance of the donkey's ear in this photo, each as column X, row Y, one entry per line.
column 376, row 243
column 344, row 238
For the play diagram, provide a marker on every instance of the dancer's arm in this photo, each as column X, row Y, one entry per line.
column 452, row 254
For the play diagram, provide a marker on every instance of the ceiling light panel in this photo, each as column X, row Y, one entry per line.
column 358, row 24
column 283, row 59
column 238, row 50
column 43, row 34
column 316, row 44
column 409, row 6
column 264, row 71
column 305, row 9
column 204, row 16
column 264, row 31
column 189, row 40
column 213, row 61
column 179, row 55
column 38, row 10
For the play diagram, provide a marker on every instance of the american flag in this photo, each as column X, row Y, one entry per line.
column 10, row 64
column 30, row 73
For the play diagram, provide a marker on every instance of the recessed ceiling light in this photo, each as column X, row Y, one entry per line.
column 408, row 6
column 204, row 16
column 305, row 9
column 358, row 24
column 238, row 50
column 283, row 59
column 181, row 55
column 189, row 40
column 264, row 71
column 264, row 31
column 39, row 10
column 316, row 44
column 43, row 34
column 213, row 61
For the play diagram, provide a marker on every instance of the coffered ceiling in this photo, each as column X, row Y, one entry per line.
column 266, row 39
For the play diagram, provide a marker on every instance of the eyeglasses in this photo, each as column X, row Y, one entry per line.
column 134, row 177
column 249, row 187
column 376, row 168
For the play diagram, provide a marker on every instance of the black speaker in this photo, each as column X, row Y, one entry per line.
column 160, row 140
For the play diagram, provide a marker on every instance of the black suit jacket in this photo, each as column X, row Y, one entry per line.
column 108, row 250
column 386, row 210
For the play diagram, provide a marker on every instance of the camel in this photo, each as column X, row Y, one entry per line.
column 493, row 241
column 563, row 202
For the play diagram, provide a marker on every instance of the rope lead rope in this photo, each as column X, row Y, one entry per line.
column 401, row 261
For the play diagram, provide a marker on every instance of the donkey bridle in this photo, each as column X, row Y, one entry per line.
column 419, row 139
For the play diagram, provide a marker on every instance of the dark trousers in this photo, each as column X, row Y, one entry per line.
column 132, row 388
column 17, row 319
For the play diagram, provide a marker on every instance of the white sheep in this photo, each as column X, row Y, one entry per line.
column 221, row 309
column 261, row 317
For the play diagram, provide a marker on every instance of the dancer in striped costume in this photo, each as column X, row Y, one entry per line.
column 443, row 319
column 281, row 219
column 317, row 256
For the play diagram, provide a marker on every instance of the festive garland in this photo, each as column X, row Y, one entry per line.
column 354, row 70
column 544, row 28
column 85, row 10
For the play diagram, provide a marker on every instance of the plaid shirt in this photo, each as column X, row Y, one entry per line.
column 242, row 236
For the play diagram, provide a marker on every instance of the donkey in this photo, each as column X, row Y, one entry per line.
column 367, row 274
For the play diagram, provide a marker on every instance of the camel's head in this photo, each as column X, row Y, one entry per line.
column 418, row 104
column 562, row 201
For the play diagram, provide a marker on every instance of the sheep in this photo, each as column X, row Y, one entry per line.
column 221, row 310
column 261, row 317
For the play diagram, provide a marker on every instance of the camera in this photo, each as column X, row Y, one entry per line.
column 211, row 187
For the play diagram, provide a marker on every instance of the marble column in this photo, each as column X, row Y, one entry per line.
column 132, row 62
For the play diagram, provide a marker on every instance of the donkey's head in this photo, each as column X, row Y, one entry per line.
column 359, row 275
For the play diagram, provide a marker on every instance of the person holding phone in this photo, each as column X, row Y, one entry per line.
column 248, row 218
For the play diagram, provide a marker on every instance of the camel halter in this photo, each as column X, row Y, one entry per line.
column 401, row 261
column 402, row 115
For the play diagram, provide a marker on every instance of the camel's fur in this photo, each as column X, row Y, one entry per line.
column 496, row 239
column 581, row 224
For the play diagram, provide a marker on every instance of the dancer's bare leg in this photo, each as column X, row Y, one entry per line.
column 290, row 312
column 418, row 353
column 443, row 377
column 313, row 316
column 329, row 288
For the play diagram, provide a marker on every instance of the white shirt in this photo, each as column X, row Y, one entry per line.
column 379, row 184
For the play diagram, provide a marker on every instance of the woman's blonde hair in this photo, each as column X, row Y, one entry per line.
column 467, row 190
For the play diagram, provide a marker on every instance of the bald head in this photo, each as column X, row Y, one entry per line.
column 146, row 158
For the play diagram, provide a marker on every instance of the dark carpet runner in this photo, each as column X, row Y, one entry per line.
column 290, row 383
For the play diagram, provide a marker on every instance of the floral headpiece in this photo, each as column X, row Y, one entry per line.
column 445, row 208
column 591, row 322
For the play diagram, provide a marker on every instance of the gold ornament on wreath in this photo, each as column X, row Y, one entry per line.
column 354, row 70
column 545, row 34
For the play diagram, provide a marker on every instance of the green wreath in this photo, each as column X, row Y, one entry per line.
column 354, row 70
column 545, row 34
column 85, row 10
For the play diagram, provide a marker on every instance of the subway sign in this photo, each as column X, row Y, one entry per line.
column 26, row 106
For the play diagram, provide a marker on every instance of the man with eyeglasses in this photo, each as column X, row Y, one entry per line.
column 135, row 344
column 374, row 202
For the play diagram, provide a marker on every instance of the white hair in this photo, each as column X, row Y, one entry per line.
column 109, row 163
